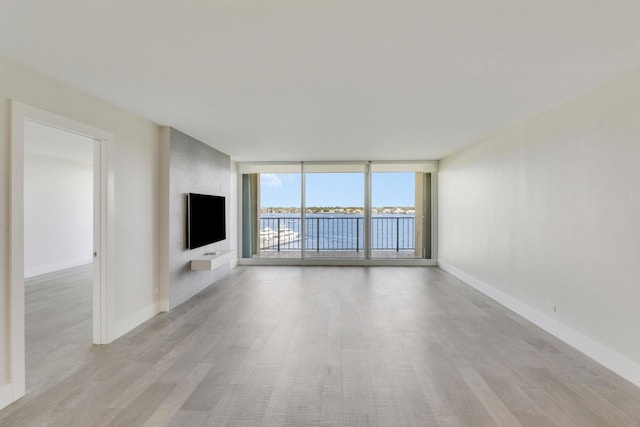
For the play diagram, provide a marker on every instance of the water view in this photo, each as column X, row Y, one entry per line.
column 336, row 231
column 334, row 224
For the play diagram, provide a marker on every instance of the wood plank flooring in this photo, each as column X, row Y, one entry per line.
column 58, row 323
column 315, row 346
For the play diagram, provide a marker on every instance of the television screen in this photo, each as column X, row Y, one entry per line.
column 206, row 220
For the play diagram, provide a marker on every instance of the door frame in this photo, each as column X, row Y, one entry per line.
column 103, row 214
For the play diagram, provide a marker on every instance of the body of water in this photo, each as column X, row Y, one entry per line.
column 344, row 231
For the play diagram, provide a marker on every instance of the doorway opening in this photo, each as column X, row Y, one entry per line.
column 35, row 202
column 58, row 249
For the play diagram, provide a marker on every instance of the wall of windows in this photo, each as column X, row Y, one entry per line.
column 357, row 211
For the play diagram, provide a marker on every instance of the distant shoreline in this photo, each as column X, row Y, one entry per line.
column 340, row 211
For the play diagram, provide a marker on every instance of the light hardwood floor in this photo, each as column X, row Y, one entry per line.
column 58, row 323
column 318, row 346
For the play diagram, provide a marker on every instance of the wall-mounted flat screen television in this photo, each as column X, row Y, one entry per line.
column 205, row 220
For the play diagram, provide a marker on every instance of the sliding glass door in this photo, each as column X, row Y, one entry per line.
column 280, row 231
column 399, row 221
column 271, row 214
column 334, row 214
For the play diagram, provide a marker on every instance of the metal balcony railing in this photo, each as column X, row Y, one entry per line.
column 337, row 233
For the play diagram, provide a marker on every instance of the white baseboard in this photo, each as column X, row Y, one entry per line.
column 50, row 268
column 135, row 319
column 163, row 306
column 6, row 395
column 616, row 362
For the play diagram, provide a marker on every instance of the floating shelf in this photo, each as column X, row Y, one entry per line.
column 212, row 260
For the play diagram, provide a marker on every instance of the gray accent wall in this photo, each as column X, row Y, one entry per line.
column 194, row 167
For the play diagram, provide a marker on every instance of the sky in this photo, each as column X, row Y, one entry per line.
column 337, row 189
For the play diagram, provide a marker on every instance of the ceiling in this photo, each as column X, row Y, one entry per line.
column 328, row 79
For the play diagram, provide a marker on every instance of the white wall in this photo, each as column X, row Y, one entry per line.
column 136, row 176
column 233, row 211
column 548, row 212
column 58, row 214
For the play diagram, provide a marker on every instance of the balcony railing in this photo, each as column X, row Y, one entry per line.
column 336, row 233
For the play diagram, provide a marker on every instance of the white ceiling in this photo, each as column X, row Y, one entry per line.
column 328, row 79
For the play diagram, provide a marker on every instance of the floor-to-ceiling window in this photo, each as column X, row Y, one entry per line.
column 271, row 211
column 357, row 210
column 400, row 211
column 280, row 219
column 335, row 211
